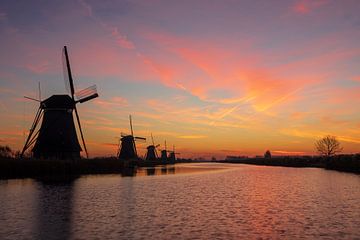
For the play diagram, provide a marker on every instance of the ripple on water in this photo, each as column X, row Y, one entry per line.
column 195, row 201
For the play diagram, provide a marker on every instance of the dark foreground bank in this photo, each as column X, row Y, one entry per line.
column 346, row 163
column 33, row 168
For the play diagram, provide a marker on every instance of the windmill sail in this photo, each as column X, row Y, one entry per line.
column 65, row 72
column 86, row 94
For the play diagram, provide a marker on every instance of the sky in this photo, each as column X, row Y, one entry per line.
column 213, row 78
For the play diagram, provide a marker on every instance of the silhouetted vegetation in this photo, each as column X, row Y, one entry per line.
column 267, row 154
column 328, row 146
column 347, row 163
column 32, row 168
column 5, row 151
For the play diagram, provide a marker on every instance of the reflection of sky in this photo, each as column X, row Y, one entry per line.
column 213, row 78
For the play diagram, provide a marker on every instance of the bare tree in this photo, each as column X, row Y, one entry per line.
column 328, row 146
column 5, row 151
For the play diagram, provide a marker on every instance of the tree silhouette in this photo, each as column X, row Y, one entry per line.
column 328, row 146
column 267, row 154
column 5, row 151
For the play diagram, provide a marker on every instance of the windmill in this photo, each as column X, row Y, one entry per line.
column 56, row 137
column 151, row 154
column 164, row 157
column 172, row 157
column 128, row 146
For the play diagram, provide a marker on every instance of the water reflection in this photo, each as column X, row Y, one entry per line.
column 150, row 171
column 155, row 171
column 201, row 202
column 174, row 169
column 128, row 172
column 54, row 209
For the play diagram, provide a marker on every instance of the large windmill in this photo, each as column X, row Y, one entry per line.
column 128, row 146
column 151, row 154
column 56, row 137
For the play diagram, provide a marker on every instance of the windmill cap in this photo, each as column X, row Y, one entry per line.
column 58, row 101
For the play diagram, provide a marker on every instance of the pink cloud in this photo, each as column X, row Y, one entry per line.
column 356, row 78
column 306, row 6
column 121, row 39
column 38, row 68
column 113, row 102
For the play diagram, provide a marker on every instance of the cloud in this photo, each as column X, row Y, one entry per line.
column 192, row 136
column 121, row 39
column 304, row 7
column 38, row 68
column 113, row 102
column 87, row 8
column 284, row 152
column 3, row 16
column 356, row 78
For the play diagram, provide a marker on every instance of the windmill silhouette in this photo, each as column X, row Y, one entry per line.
column 164, row 152
column 172, row 157
column 56, row 137
column 128, row 146
column 151, row 154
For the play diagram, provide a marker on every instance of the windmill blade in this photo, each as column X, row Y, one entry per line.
column 131, row 127
column 71, row 82
column 86, row 94
column 124, row 134
column 152, row 139
column 32, row 99
column 39, row 92
column 32, row 130
column 81, row 133
column 140, row 138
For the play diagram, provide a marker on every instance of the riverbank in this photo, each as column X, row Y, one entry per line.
column 345, row 163
column 33, row 168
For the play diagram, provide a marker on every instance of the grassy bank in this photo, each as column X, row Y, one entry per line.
column 346, row 163
column 32, row 168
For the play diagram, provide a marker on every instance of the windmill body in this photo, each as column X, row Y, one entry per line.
column 172, row 155
column 164, row 155
column 56, row 137
column 151, row 154
column 128, row 146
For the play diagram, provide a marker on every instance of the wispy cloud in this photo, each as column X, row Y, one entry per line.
column 192, row 136
column 283, row 152
column 306, row 6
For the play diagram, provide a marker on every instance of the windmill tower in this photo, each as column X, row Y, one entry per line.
column 128, row 146
column 151, row 154
column 172, row 157
column 56, row 137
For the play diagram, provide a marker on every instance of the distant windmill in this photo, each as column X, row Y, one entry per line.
column 172, row 157
column 56, row 137
column 164, row 157
column 151, row 154
column 128, row 146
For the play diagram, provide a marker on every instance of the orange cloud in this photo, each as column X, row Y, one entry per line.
column 192, row 136
column 283, row 152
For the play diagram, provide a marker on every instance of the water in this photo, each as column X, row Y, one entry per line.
column 193, row 201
